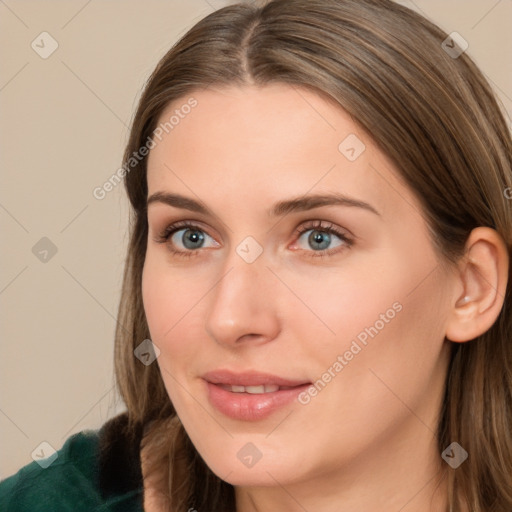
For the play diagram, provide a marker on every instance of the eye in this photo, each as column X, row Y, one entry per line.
column 187, row 235
column 320, row 239
column 192, row 237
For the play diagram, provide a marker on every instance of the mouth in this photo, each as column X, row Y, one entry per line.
column 251, row 379
column 250, row 396
column 254, row 390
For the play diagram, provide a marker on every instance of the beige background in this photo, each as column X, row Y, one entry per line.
column 63, row 125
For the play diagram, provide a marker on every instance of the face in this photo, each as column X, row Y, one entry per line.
column 300, row 311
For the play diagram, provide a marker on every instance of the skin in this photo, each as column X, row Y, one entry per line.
column 366, row 441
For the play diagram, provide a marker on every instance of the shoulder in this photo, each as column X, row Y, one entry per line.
column 94, row 470
column 57, row 480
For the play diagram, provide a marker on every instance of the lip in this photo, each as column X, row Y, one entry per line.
column 250, row 378
column 245, row 406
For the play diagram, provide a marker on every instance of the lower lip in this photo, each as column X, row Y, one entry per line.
column 251, row 407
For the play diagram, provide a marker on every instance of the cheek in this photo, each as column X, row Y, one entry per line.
column 159, row 303
column 384, row 318
column 394, row 303
column 172, row 305
column 390, row 336
column 341, row 304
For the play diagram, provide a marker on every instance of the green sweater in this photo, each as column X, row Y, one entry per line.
column 94, row 471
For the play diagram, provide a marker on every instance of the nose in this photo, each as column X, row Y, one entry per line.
column 243, row 305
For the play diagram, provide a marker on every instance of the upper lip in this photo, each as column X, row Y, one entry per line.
column 249, row 378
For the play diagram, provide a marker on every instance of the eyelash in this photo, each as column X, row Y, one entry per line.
column 163, row 237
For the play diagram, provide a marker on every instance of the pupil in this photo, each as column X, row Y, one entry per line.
column 318, row 237
column 194, row 237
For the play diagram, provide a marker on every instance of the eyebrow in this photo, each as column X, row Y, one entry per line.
column 279, row 209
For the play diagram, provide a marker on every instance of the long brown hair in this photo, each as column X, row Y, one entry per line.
column 434, row 115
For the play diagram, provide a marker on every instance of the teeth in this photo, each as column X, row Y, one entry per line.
column 253, row 390
column 261, row 389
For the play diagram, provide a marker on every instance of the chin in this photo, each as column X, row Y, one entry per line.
column 250, row 477
column 249, row 467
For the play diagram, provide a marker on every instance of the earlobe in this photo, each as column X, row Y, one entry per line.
column 483, row 276
column 463, row 301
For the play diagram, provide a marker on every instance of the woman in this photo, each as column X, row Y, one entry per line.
column 316, row 312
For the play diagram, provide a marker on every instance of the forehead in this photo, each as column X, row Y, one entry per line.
column 267, row 141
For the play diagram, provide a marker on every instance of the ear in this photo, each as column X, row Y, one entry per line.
column 483, row 277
